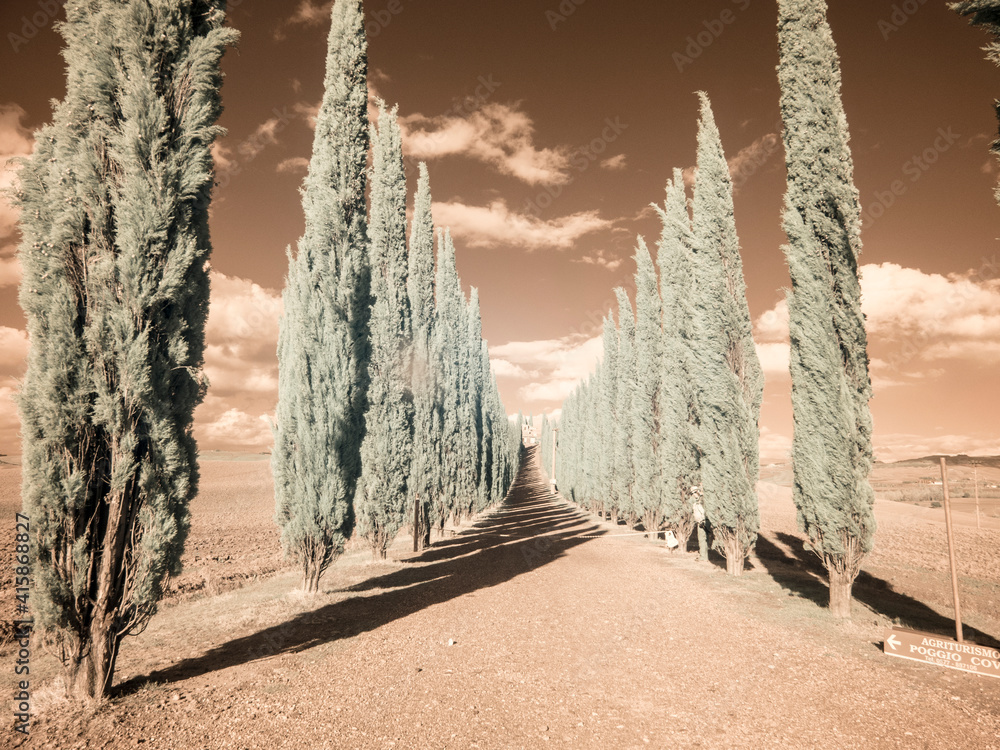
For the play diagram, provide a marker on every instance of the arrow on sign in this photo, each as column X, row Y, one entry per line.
column 892, row 641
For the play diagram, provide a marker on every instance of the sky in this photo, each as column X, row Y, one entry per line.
column 549, row 127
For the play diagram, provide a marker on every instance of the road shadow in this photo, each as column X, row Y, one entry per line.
column 531, row 528
column 802, row 573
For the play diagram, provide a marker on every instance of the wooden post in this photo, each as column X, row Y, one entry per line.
column 975, row 474
column 416, row 523
column 951, row 548
column 555, row 439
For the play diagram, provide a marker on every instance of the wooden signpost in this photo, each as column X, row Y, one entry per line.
column 942, row 652
column 933, row 649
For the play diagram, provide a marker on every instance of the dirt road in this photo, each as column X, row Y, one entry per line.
column 538, row 626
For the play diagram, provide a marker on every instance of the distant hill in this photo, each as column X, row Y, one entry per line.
column 960, row 460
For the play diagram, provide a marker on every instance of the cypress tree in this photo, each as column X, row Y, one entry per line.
column 323, row 346
column 486, row 434
column 449, row 337
column 381, row 500
column 678, row 455
column 645, row 417
column 607, row 414
column 473, row 379
column 624, row 393
column 730, row 380
column 985, row 13
column 115, row 242
column 831, row 388
column 425, row 476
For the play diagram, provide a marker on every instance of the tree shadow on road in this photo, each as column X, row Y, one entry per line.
column 530, row 529
column 802, row 573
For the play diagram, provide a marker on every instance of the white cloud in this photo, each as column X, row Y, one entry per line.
column 10, row 272
column 232, row 429
column 295, row 164
column 504, row 369
column 902, row 302
column 496, row 225
column 600, row 258
column 752, row 158
column 13, row 351
column 913, row 318
column 557, row 364
column 614, row 163
column 500, row 135
column 774, row 447
column 15, row 140
column 774, row 358
column 242, row 339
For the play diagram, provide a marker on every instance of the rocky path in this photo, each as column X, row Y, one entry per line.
column 538, row 626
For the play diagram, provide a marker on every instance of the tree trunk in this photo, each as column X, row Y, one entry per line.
column 310, row 580
column 735, row 554
column 841, row 584
column 614, row 516
column 702, row 542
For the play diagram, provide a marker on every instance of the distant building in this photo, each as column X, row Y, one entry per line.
column 529, row 435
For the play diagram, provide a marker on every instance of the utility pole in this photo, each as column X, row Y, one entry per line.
column 975, row 479
column 951, row 547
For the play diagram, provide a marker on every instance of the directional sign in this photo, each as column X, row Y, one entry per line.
column 942, row 652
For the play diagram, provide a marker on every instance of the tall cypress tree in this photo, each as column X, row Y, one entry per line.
column 425, row 476
column 646, row 403
column 449, row 336
column 323, row 347
column 985, row 13
column 114, row 246
column 381, row 500
column 625, row 390
column 831, row 388
column 730, row 380
column 473, row 428
column 608, row 415
column 679, row 457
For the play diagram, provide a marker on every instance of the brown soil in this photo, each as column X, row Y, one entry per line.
column 541, row 626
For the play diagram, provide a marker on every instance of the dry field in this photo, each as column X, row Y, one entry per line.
column 537, row 626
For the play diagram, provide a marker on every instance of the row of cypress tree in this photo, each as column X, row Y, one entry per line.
column 698, row 422
column 388, row 412
column 673, row 407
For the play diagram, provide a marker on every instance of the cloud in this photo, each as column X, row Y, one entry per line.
column 265, row 135
column 496, row 225
column 774, row 447
column 295, row 164
column 13, row 351
column 600, row 258
column 906, row 302
column 751, row 158
column 558, row 365
column 242, row 339
column 219, row 428
column 310, row 112
column 15, row 140
column 307, row 13
column 500, row 135
column 10, row 272
column 614, row 163
column 774, row 358
column 913, row 318
column 504, row 369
